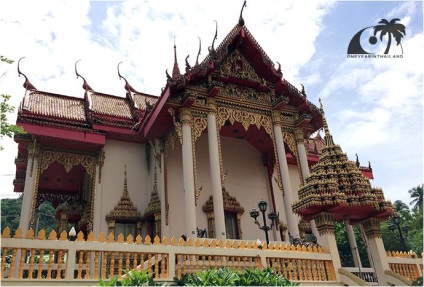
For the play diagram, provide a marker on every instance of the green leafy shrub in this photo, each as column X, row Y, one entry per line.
column 228, row 277
column 131, row 278
column 418, row 281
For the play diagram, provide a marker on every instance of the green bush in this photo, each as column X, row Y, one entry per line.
column 418, row 282
column 131, row 278
column 211, row 277
column 228, row 277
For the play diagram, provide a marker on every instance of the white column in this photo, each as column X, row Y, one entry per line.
column 188, row 174
column 30, row 179
column 353, row 245
column 378, row 253
column 161, row 187
column 97, row 217
column 304, row 167
column 214, row 156
column 282, row 160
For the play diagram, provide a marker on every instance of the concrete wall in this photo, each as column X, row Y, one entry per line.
column 117, row 155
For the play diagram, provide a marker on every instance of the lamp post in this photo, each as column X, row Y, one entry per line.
column 396, row 225
column 72, row 234
column 254, row 213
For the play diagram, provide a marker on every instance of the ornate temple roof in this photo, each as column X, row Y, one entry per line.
column 55, row 106
column 336, row 185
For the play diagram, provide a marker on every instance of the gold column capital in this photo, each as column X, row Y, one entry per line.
column 325, row 223
column 372, row 228
column 276, row 117
column 186, row 117
column 212, row 108
column 298, row 134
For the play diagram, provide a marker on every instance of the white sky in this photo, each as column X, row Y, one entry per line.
column 374, row 107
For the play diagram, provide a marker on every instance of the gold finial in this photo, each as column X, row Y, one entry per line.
column 125, row 182
column 328, row 137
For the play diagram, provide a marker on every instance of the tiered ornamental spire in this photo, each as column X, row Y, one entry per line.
column 336, row 185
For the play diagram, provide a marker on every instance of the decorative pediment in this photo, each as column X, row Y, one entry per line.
column 125, row 209
column 154, row 204
column 230, row 203
column 237, row 66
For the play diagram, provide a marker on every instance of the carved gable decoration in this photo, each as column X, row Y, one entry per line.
column 125, row 209
column 237, row 66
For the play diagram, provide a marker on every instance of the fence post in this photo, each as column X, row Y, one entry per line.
column 171, row 265
column 70, row 260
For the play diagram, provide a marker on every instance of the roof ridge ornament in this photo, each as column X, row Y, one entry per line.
column 241, row 20
column 328, row 138
column 212, row 48
column 27, row 83
column 85, row 85
column 176, row 69
column 128, row 87
column 198, row 54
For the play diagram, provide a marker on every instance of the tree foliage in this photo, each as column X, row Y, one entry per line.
column 11, row 211
column 7, row 129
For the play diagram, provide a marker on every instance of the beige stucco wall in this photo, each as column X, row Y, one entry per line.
column 247, row 180
column 117, row 155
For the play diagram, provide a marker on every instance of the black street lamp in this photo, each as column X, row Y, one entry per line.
column 254, row 213
column 396, row 224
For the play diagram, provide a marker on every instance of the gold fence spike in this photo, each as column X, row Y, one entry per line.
column 248, row 245
column 189, row 242
column 80, row 236
column 90, row 236
column 181, row 242
column 52, row 235
column 138, row 239
column 63, row 235
column 242, row 245
column 29, row 235
column 205, row 243
column 235, row 244
column 309, row 249
column 165, row 240
column 255, row 245
column 213, row 243
column 220, row 243
column 111, row 238
column 147, row 240
column 18, row 233
column 101, row 237
column 173, row 241
column 130, row 239
column 303, row 248
column 156, row 240
column 6, row 233
column 197, row 242
column 41, row 234
column 227, row 244
column 120, row 238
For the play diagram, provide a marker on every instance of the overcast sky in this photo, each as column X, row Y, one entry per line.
column 374, row 107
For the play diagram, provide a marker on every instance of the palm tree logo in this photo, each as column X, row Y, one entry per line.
column 391, row 29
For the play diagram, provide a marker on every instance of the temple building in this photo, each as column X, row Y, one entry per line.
column 220, row 137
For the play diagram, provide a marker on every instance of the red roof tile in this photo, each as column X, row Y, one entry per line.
column 52, row 105
column 111, row 105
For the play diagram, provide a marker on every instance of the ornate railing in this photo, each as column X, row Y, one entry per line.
column 407, row 264
column 28, row 258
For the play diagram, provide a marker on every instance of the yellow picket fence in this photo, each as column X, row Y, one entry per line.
column 57, row 259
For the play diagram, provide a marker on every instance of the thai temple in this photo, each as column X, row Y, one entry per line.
column 183, row 180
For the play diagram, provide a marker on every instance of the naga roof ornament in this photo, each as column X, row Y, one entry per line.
column 128, row 87
column 85, row 85
column 27, row 83
column 241, row 20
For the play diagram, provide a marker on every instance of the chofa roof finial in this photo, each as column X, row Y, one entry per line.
column 27, row 83
column 241, row 20
column 85, row 85
column 212, row 49
column 127, row 85
column 198, row 54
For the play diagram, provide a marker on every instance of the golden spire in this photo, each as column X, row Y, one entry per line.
column 328, row 138
column 125, row 193
column 176, row 69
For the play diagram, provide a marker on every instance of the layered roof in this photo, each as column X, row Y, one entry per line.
column 336, row 185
